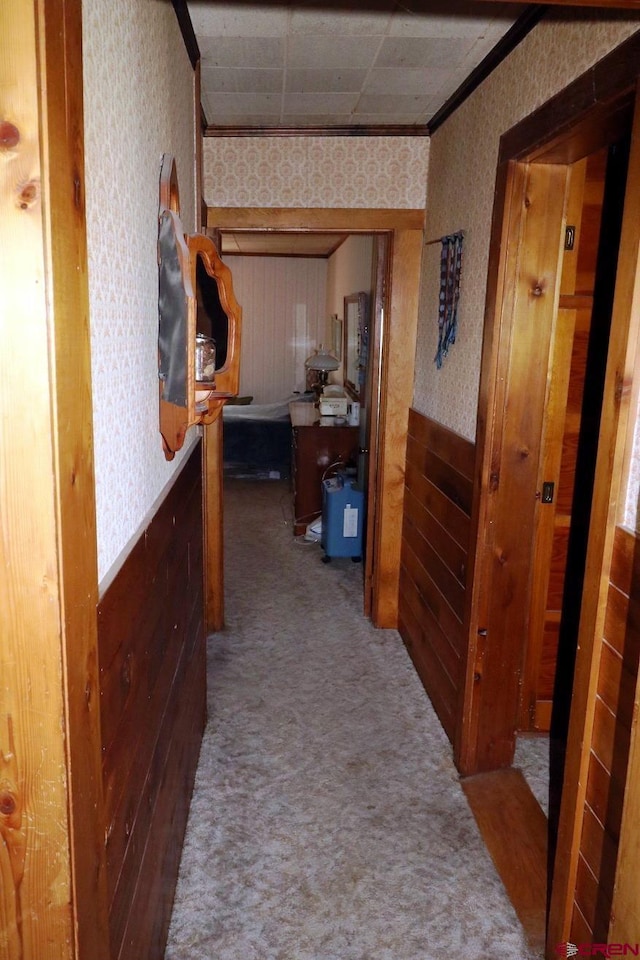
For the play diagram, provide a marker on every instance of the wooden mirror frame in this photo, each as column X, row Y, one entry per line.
column 188, row 402
column 355, row 333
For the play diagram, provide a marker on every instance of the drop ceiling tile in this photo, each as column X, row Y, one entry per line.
column 449, row 18
column 325, row 81
column 238, row 104
column 406, row 82
column 409, row 52
column 332, row 19
column 395, row 61
column 315, row 104
column 394, row 105
column 319, row 120
column 383, row 119
column 218, row 80
column 259, row 120
column 242, row 51
column 242, row 20
column 332, row 52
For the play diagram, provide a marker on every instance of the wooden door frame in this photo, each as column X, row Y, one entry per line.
column 584, row 117
column 52, row 819
column 380, row 280
column 405, row 230
column 575, row 123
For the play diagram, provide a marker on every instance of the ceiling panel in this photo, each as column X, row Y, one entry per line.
column 334, row 64
column 281, row 244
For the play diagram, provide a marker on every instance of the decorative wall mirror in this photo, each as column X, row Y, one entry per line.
column 355, row 344
column 199, row 323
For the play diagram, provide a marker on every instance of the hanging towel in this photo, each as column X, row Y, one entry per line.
column 450, row 269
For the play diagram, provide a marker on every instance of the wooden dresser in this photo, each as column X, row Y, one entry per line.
column 316, row 450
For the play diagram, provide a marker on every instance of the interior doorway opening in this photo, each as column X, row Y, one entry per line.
column 298, row 291
column 556, row 292
column 404, row 229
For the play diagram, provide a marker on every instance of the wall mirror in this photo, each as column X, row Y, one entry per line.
column 356, row 334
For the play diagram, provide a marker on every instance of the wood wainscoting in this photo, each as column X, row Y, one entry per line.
column 435, row 544
column 609, row 758
column 153, row 706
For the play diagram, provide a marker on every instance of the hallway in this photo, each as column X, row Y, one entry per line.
column 327, row 821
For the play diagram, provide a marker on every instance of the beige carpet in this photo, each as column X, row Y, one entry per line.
column 327, row 821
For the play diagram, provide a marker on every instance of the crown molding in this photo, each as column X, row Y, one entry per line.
column 187, row 31
column 353, row 130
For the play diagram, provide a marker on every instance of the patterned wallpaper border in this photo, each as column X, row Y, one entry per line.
column 389, row 172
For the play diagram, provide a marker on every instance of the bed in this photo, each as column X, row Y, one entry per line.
column 257, row 438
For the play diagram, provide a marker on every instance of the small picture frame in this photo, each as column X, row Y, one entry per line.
column 336, row 336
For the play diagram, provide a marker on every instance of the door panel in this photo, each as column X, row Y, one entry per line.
column 559, row 448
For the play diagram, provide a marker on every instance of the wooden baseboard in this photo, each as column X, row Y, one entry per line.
column 514, row 829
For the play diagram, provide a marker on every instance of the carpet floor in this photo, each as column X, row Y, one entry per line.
column 327, row 821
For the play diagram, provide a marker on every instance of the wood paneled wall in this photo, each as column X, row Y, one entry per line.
column 153, row 686
column 435, row 543
column 610, row 745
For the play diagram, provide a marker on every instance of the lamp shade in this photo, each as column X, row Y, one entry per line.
column 321, row 360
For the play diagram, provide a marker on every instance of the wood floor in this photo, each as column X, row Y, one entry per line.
column 514, row 829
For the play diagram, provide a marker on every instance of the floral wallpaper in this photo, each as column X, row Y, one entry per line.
column 138, row 104
column 462, row 169
column 386, row 172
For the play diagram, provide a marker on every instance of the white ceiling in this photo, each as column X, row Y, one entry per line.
column 320, row 245
column 324, row 64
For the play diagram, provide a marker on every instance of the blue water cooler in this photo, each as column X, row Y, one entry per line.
column 342, row 517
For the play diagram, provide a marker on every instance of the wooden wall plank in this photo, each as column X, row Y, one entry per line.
column 612, row 726
column 450, row 553
column 444, row 645
column 151, row 631
column 426, row 662
column 454, row 449
column 434, row 559
column 455, row 485
column 426, row 592
column 450, row 588
column 621, row 360
column 446, row 512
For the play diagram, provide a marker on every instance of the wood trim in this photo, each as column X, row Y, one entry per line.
column 213, row 526
column 354, row 130
column 514, row 829
column 201, row 207
column 65, row 224
column 52, row 863
column 396, row 392
column 380, row 284
column 556, row 131
column 312, row 220
column 623, row 348
column 186, row 29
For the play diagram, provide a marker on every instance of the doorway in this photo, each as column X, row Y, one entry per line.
column 540, row 315
column 404, row 229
